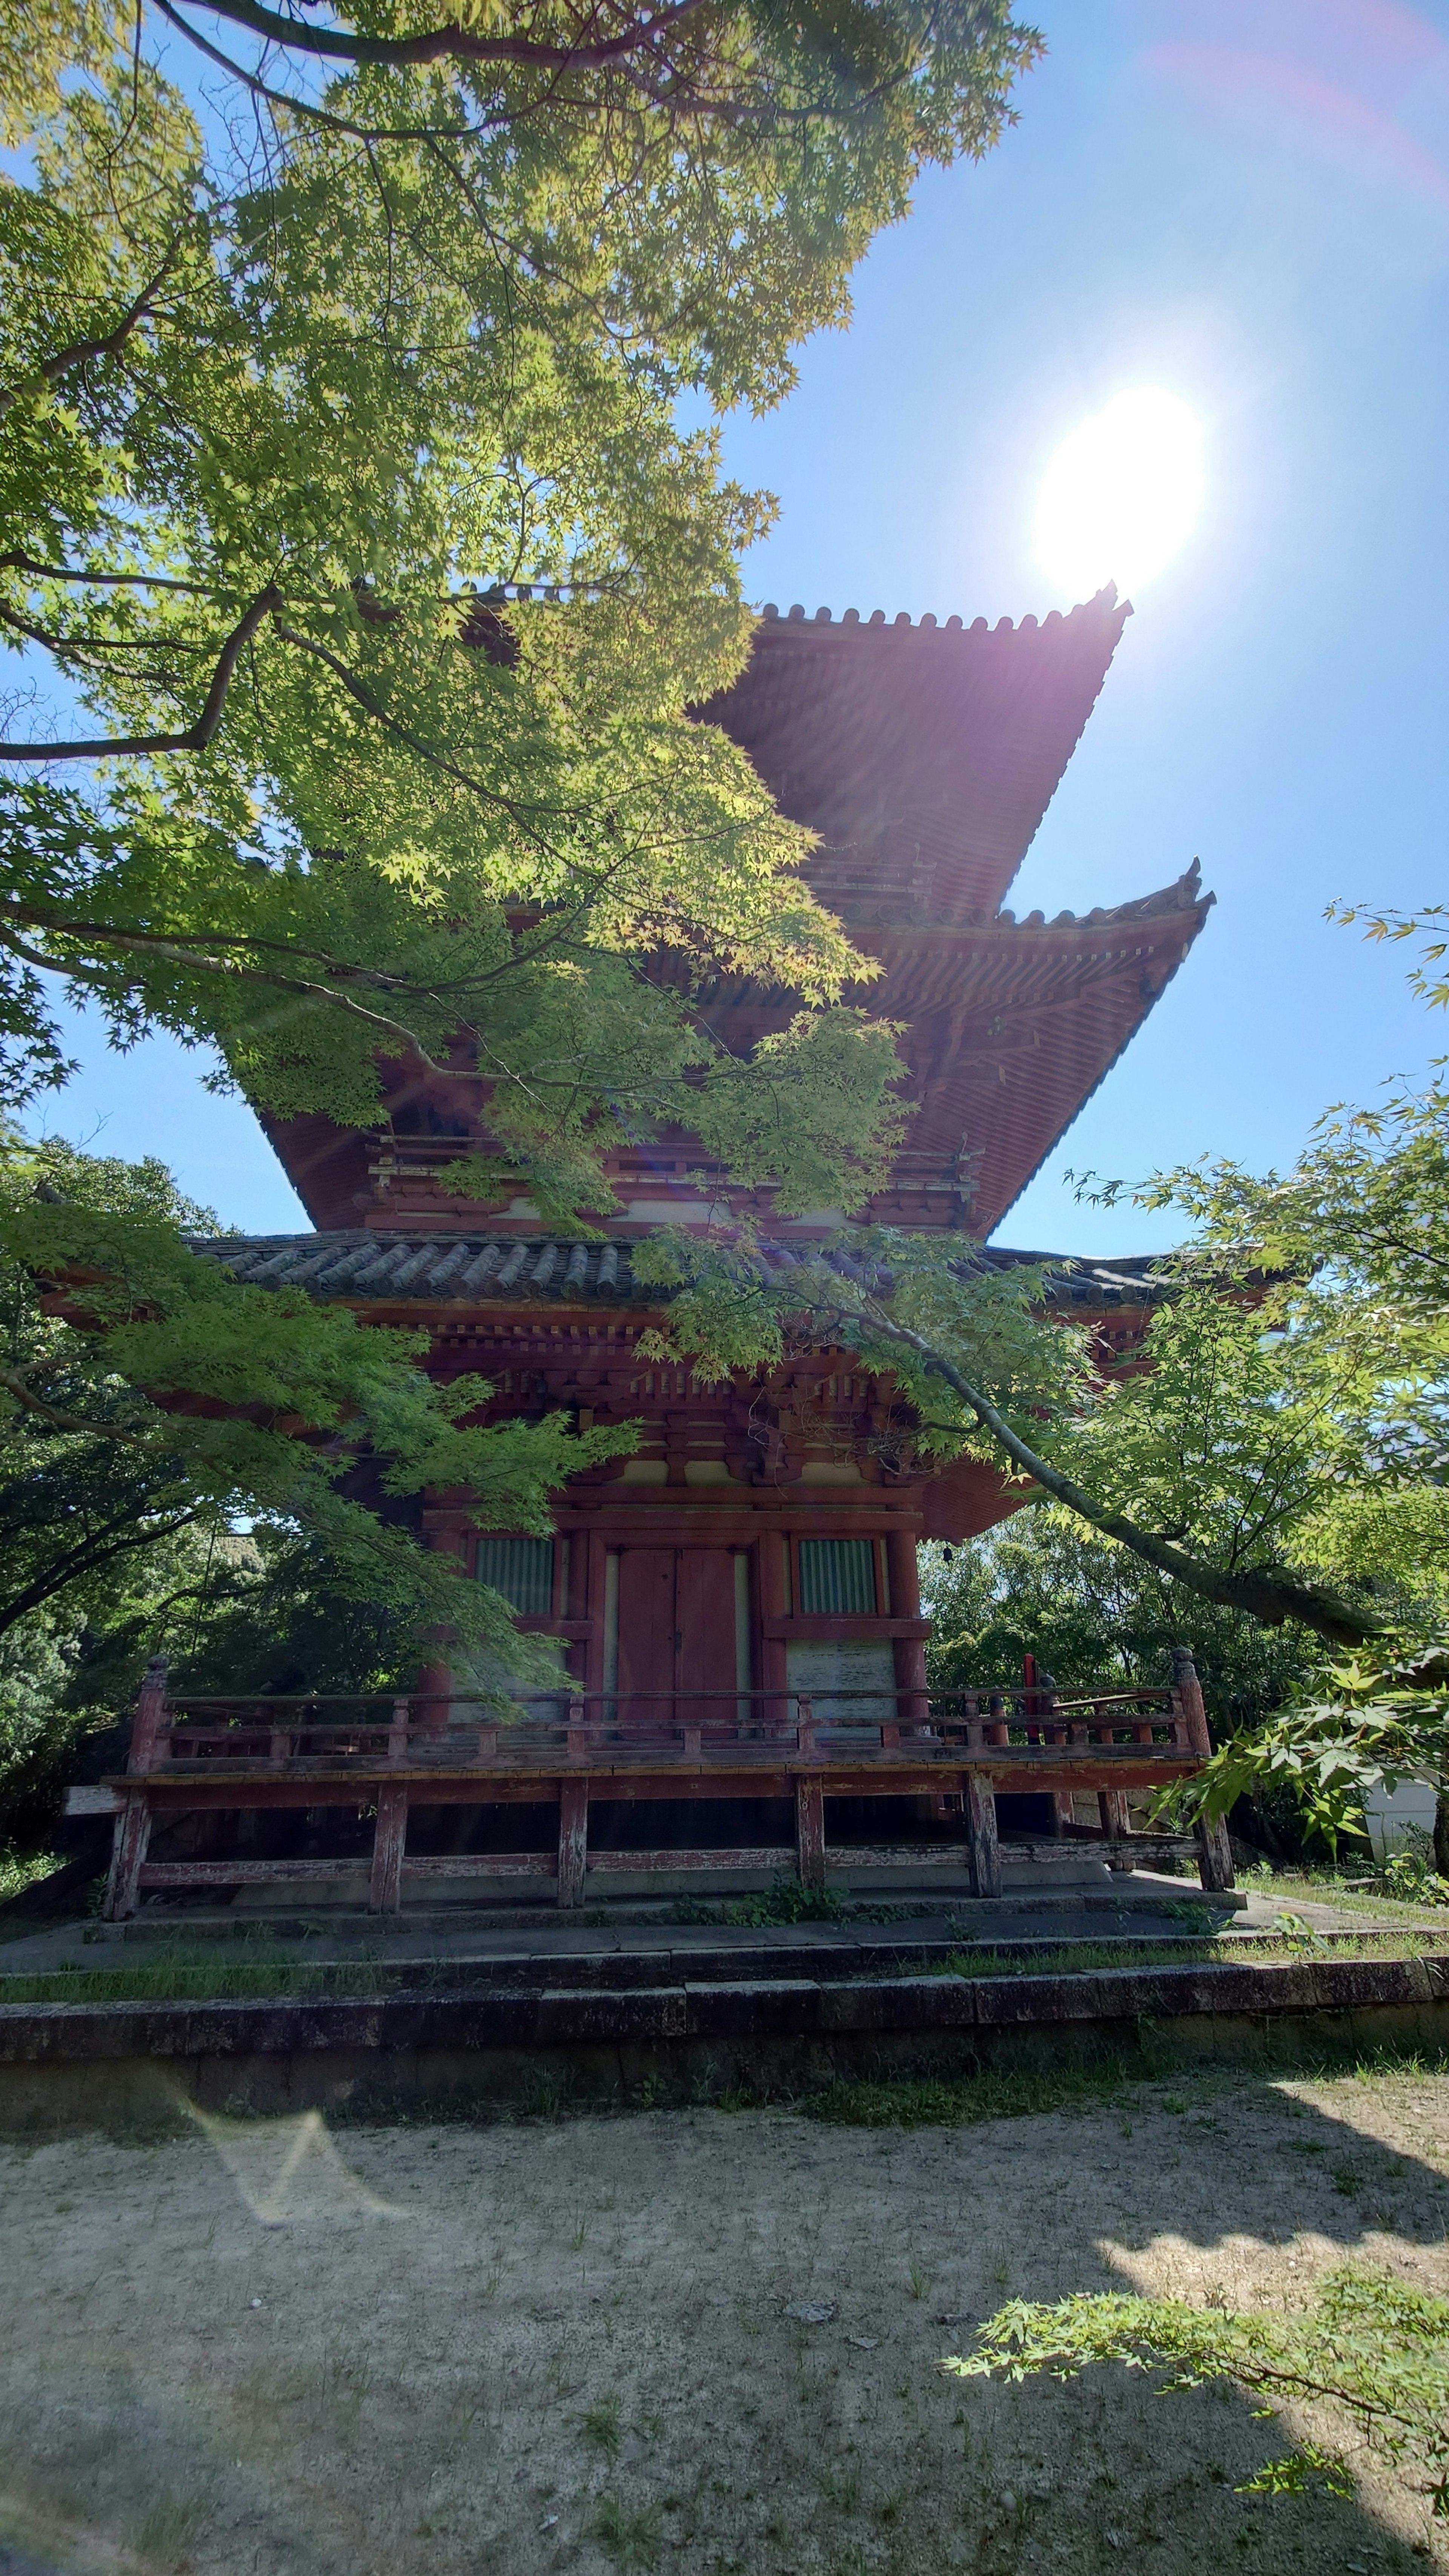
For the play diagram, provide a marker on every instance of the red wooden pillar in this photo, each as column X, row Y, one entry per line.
column 385, row 1892
column 447, row 1529
column 910, row 1652
column 981, row 1831
column 810, row 1828
column 573, row 1840
column 772, row 1566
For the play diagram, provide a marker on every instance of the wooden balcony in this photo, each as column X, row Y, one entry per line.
column 382, row 1756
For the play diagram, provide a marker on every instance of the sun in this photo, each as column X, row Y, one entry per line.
column 1122, row 495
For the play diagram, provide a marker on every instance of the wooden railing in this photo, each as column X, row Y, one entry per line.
column 392, row 1748
column 549, row 1730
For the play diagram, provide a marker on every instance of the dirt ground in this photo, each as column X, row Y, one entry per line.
column 264, row 2350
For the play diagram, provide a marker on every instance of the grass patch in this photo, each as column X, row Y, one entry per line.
column 1027, row 2092
column 199, row 1975
column 964, row 2101
column 785, row 1901
column 265, row 1972
column 1326, row 1887
column 17, row 1871
column 1076, row 1958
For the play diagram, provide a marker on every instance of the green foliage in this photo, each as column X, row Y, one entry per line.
column 164, row 1406
column 895, row 1298
column 1088, row 1610
column 293, row 395
column 1411, row 1878
column 1374, row 2349
column 1376, row 1719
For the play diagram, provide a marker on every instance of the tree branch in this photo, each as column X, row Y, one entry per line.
column 76, row 352
column 87, row 1558
column 17, row 1380
column 197, row 735
column 1267, row 1594
column 18, row 561
column 320, row 115
column 448, row 43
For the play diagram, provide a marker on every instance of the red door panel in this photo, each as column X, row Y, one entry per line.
column 646, row 1630
column 705, row 1619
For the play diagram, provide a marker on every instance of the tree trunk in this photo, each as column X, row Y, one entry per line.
column 1441, row 1833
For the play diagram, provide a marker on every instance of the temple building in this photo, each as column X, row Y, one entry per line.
column 741, row 1650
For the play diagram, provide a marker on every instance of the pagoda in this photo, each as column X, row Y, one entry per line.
column 740, row 1645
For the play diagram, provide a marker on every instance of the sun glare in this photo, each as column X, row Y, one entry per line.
column 1122, row 494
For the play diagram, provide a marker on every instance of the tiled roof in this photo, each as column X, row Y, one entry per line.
column 925, row 756
column 478, row 1268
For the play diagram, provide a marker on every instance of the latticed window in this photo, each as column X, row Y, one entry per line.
column 522, row 1570
column 837, row 1574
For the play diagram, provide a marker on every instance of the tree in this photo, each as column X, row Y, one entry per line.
column 198, row 1400
column 1045, row 1584
column 343, row 490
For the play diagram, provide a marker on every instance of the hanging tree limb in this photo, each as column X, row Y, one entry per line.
column 1267, row 1593
column 196, row 736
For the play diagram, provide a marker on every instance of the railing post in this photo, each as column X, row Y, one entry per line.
column 397, row 1732
column 805, row 1721
column 981, row 1833
column 810, row 1828
column 577, row 1740
column 1214, row 1850
column 128, row 1851
column 1187, row 1697
column 384, row 1894
column 133, row 1824
column 146, row 1754
column 573, row 1840
column 1214, row 1855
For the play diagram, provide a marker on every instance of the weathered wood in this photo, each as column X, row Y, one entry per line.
column 98, row 1798
column 248, row 1873
column 384, row 1895
column 810, row 1829
column 1112, row 1808
column 1214, row 1855
column 128, row 1851
column 573, row 1840
column 981, row 1828
column 1188, row 1701
column 613, row 1864
column 148, row 1746
column 479, row 1865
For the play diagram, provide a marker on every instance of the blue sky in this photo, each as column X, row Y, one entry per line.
column 1247, row 205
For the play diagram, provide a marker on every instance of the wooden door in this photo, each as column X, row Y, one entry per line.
column 704, row 1619
column 646, row 1633
column 676, row 1633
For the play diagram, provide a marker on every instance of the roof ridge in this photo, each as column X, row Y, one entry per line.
column 1104, row 601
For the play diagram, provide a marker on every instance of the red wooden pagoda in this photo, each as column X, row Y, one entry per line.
column 741, row 1648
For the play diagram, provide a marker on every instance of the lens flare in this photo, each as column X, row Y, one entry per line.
column 1122, row 495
